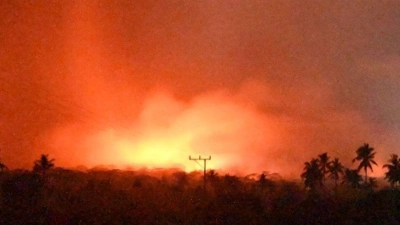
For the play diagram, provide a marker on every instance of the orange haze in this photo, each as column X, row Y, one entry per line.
column 168, row 130
column 258, row 86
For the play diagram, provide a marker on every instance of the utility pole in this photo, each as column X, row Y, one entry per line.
column 204, row 167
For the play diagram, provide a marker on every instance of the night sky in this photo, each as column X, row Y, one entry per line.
column 258, row 85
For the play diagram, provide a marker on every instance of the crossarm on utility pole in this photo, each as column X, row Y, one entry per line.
column 204, row 167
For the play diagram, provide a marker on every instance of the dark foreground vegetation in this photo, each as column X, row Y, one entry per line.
column 174, row 197
column 327, row 194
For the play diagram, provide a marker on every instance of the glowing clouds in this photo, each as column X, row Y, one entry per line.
column 153, row 151
column 169, row 130
column 215, row 124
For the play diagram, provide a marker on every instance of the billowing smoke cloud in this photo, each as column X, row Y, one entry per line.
column 168, row 130
column 257, row 85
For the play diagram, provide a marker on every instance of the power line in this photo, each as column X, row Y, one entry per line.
column 204, row 167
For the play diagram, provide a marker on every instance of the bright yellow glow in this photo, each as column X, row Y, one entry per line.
column 169, row 131
column 163, row 152
column 154, row 152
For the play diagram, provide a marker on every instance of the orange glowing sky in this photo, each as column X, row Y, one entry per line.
column 258, row 85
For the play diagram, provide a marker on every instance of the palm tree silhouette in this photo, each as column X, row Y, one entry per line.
column 323, row 163
column 393, row 173
column 43, row 164
column 312, row 174
column 365, row 154
column 335, row 169
column 352, row 178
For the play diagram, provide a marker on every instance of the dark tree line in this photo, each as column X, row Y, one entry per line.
column 51, row 195
column 315, row 171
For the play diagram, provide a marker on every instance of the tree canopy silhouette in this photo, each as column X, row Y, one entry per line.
column 264, row 181
column 335, row 169
column 393, row 173
column 312, row 174
column 366, row 155
column 323, row 163
column 43, row 164
column 352, row 178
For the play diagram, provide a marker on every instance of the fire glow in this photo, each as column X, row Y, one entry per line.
column 169, row 130
column 137, row 84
